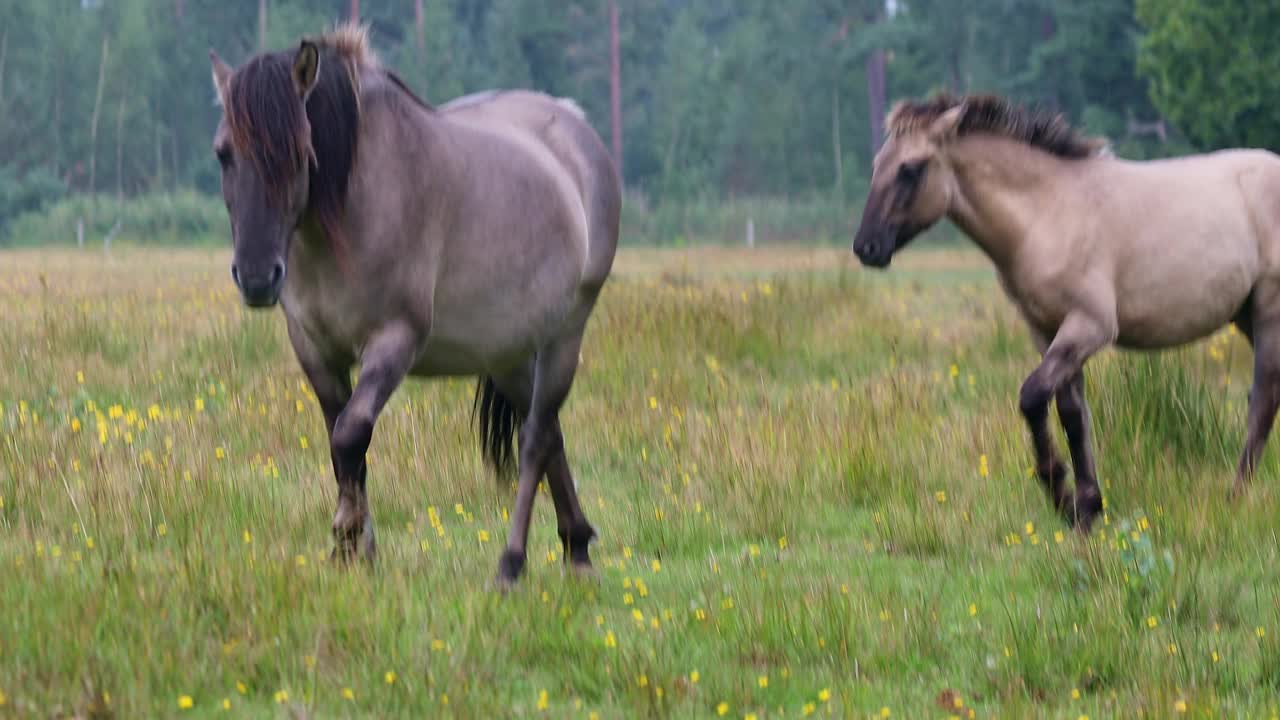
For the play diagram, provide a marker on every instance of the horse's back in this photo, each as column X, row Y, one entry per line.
column 1244, row 180
column 560, row 126
column 1187, row 239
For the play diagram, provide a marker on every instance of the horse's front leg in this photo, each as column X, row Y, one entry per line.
column 1079, row 337
column 387, row 358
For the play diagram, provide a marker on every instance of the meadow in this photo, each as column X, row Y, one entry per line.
column 811, row 483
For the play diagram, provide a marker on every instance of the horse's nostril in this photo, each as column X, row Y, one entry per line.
column 277, row 273
column 235, row 275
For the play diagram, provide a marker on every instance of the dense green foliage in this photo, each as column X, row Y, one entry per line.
column 1213, row 69
column 720, row 98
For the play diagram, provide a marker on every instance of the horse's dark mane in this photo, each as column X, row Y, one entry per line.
column 1038, row 128
column 267, row 125
column 402, row 87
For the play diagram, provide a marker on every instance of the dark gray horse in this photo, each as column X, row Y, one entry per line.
column 469, row 240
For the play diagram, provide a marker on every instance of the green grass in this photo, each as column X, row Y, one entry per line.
column 783, row 457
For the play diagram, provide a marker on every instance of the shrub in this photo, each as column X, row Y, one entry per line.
column 29, row 193
column 179, row 218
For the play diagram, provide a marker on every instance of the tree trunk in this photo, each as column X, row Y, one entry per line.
column 836, row 153
column 57, row 122
column 120, row 152
column 93, row 122
column 1048, row 29
column 355, row 11
column 174, row 170
column 615, row 84
column 158, row 183
column 262, row 25
column 4, row 53
column 957, row 81
column 419, row 27
column 876, row 97
column 876, row 92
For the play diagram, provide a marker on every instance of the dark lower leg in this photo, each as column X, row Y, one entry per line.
column 532, row 467
column 540, row 445
column 353, row 533
column 1034, row 403
column 1264, row 398
column 511, row 564
column 1073, row 412
column 386, row 359
column 575, row 531
column 1263, row 402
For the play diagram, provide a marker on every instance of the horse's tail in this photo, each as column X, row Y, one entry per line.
column 496, row 423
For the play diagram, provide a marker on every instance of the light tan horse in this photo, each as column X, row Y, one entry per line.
column 1093, row 250
column 469, row 240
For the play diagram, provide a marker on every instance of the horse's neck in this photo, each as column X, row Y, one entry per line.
column 398, row 138
column 1000, row 188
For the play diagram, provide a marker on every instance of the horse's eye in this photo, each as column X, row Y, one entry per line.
column 224, row 157
column 912, row 172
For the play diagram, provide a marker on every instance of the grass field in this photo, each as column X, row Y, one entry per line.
column 811, row 485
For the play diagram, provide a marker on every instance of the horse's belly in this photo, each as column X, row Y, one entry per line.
column 444, row 357
column 1158, row 314
column 483, row 340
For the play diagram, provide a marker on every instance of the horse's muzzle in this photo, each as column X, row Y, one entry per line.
column 260, row 289
column 875, row 253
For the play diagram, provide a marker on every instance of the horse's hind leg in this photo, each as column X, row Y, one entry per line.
column 540, row 445
column 1264, row 397
column 1073, row 413
column 572, row 525
column 575, row 531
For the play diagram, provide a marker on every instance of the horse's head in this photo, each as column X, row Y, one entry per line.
column 264, row 145
column 911, row 188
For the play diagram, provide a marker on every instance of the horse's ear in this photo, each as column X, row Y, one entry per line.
column 306, row 69
column 221, row 76
column 947, row 126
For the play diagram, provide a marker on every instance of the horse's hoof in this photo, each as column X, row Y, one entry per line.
column 510, row 566
column 351, row 544
column 1237, row 492
column 1086, row 509
column 583, row 570
column 576, row 544
column 1083, row 524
